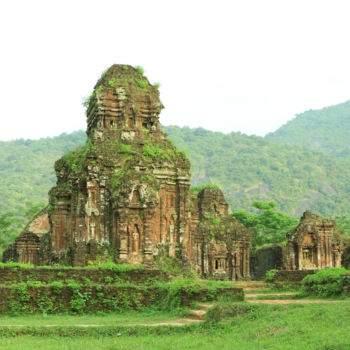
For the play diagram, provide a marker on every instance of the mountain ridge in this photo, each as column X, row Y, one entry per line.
column 325, row 130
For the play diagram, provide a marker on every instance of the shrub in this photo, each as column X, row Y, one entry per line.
column 225, row 310
column 87, row 100
column 325, row 283
column 270, row 275
column 216, row 222
column 142, row 83
column 108, row 280
column 197, row 189
column 120, row 268
column 57, row 287
column 126, row 149
column 140, row 70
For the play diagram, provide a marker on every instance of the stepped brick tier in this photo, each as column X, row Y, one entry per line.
column 126, row 194
column 46, row 298
column 16, row 275
column 314, row 244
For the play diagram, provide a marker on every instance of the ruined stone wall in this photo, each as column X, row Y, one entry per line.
column 268, row 258
column 100, row 298
column 16, row 299
column 136, row 277
column 191, row 294
column 291, row 276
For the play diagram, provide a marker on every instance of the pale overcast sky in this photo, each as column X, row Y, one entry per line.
column 227, row 66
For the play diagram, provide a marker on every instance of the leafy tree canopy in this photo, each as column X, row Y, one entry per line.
column 267, row 226
column 343, row 223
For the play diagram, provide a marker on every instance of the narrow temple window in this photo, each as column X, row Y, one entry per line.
column 144, row 125
column 219, row 264
column 136, row 197
column 111, row 122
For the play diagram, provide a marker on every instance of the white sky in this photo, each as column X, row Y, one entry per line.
column 227, row 66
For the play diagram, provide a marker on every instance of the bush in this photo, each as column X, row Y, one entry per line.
column 325, row 283
column 197, row 189
column 225, row 310
column 117, row 268
column 270, row 275
column 140, row 69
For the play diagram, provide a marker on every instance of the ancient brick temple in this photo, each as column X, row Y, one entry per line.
column 313, row 244
column 31, row 246
column 126, row 193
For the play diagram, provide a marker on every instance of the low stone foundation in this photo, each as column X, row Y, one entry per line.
column 292, row 276
column 59, row 298
column 48, row 299
column 96, row 276
column 203, row 294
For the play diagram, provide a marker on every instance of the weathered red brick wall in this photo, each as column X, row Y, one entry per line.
column 100, row 298
column 24, row 299
column 142, row 276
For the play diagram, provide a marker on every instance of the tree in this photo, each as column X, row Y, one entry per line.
column 8, row 228
column 343, row 223
column 31, row 209
column 268, row 226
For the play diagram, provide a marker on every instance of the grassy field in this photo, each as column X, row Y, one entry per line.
column 295, row 326
column 133, row 318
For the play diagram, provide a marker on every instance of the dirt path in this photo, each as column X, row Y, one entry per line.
column 300, row 301
column 179, row 322
column 268, row 294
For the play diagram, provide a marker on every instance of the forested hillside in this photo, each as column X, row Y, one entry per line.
column 251, row 168
column 248, row 168
column 27, row 167
column 326, row 130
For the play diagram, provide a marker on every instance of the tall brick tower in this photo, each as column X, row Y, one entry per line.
column 127, row 189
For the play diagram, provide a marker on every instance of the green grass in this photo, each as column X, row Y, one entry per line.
column 290, row 327
column 261, row 291
column 274, row 297
column 108, row 319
